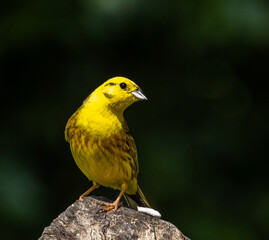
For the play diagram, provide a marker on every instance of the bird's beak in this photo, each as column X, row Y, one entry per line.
column 139, row 94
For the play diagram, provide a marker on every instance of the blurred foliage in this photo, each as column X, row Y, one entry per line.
column 202, row 137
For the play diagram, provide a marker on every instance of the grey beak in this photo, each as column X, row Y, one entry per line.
column 139, row 94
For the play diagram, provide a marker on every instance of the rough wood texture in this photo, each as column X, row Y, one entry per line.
column 84, row 220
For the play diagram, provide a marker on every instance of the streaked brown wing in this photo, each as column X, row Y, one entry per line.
column 131, row 148
column 132, row 151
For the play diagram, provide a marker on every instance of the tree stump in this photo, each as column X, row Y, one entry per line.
column 85, row 220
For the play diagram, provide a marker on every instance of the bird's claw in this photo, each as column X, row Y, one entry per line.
column 110, row 206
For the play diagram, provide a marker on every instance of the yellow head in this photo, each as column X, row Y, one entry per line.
column 116, row 93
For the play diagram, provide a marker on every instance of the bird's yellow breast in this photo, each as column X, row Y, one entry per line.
column 102, row 148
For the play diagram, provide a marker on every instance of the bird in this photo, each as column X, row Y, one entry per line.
column 101, row 144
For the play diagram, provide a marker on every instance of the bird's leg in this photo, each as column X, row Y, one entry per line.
column 116, row 203
column 95, row 185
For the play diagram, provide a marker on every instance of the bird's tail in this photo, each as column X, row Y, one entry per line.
column 137, row 199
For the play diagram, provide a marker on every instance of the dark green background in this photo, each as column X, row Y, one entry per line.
column 202, row 137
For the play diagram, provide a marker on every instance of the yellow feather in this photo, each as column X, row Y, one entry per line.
column 99, row 137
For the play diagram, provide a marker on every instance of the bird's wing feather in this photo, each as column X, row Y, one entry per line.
column 131, row 147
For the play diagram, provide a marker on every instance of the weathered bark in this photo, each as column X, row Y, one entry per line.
column 84, row 220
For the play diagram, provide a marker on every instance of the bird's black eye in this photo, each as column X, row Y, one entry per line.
column 123, row 85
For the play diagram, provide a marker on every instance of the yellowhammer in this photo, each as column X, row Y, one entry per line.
column 101, row 144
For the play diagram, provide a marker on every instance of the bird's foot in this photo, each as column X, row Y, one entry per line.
column 115, row 205
column 81, row 198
